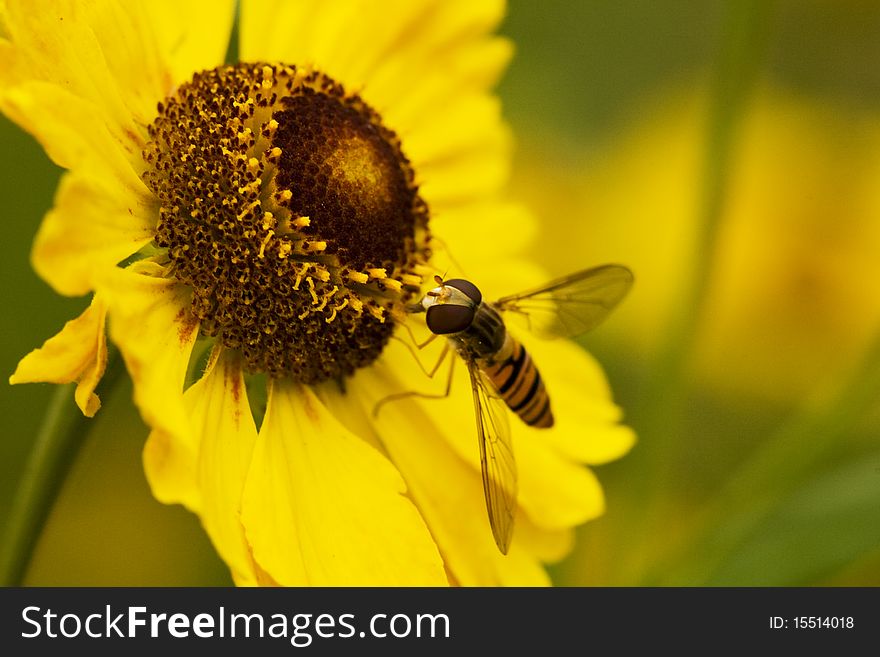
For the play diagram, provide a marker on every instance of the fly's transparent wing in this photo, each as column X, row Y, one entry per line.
column 496, row 457
column 574, row 304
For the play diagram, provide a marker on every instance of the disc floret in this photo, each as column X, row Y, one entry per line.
column 292, row 213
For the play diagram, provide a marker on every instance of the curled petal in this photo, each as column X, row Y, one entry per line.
column 78, row 353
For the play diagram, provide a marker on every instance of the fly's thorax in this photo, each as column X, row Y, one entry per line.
column 292, row 213
column 485, row 337
column 506, row 351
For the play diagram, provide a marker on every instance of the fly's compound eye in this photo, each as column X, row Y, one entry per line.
column 446, row 318
column 470, row 290
column 456, row 308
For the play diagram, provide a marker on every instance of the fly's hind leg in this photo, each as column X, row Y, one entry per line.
column 423, row 395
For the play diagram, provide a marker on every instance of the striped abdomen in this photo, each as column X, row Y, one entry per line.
column 518, row 381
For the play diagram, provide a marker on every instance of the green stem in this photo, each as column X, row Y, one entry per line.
column 58, row 441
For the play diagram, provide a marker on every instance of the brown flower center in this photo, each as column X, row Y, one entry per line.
column 291, row 212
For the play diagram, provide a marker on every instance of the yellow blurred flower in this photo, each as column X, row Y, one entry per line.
column 793, row 296
column 254, row 231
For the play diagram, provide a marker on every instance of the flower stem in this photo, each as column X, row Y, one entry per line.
column 59, row 439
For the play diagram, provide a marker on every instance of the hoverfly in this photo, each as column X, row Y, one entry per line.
column 501, row 370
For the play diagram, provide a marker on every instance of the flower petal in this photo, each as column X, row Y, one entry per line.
column 468, row 125
column 86, row 89
column 322, row 507
column 171, row 466
column 224, row 431
column 439, row 79
column 587, row 426
column 482, row 241
column 122, row 56
column 93, row 226
column 447, row 489
column 75, row 134
column 548, row 545
column 101, row 53
column 103, row 212
column 152, row 325
column 354, row 43
column 192, row 36
column 78, row 353
column 554, row 492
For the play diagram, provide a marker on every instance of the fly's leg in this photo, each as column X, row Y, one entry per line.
column 420, row 346
column 412, row 393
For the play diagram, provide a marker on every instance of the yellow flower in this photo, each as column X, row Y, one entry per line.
column 252, row 233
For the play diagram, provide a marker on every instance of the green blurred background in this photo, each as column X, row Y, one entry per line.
column 729, row 152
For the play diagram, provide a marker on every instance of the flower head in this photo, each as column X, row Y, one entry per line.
column 252, row 235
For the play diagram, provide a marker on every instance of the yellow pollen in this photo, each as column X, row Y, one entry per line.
column 327, row 296
column 336, row 309
column 312, row 290
column 424, row 271
column 376, row 311
column 411, row 279
column 248, row 211
column 299, row 277
column 252, row 188
column 265, row 241
column 245, row 136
